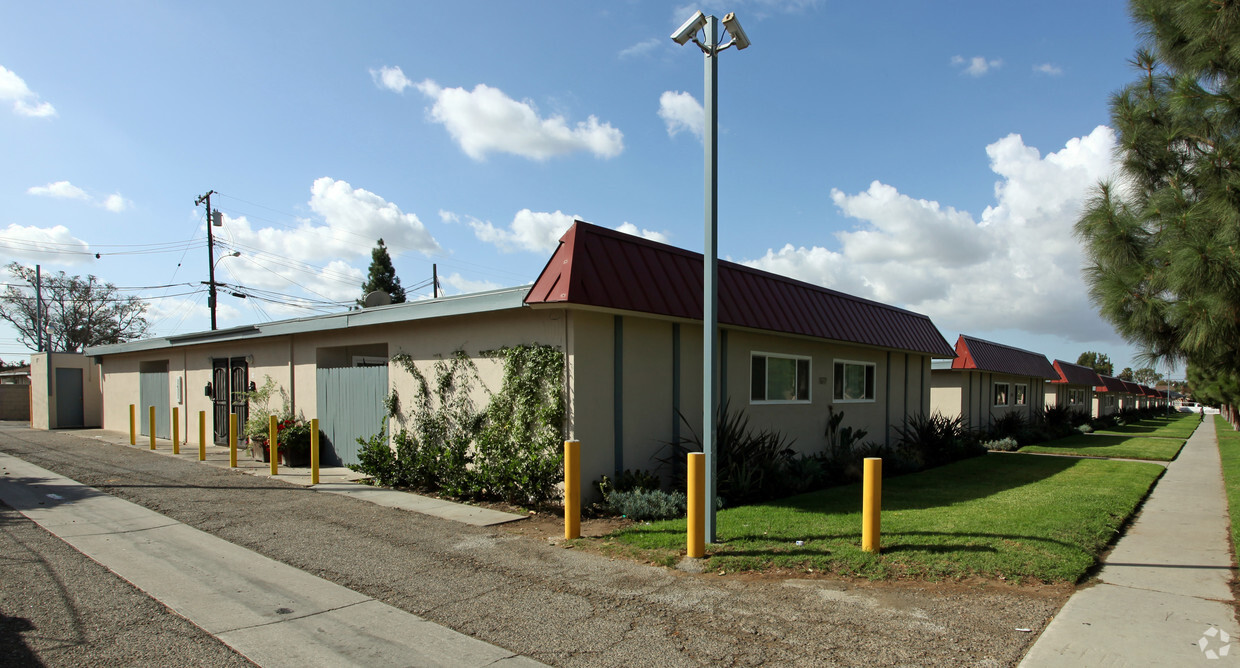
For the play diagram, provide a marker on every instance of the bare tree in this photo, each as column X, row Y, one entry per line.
column 77, row 312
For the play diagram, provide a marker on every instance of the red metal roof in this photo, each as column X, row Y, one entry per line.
column 595, row 266
column 974, row 353
column 1110, row 384
column 1075, row 374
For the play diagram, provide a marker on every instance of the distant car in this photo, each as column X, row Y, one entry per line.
column 1188, row 407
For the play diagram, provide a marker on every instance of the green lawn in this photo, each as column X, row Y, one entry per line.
column 1017, row 516
column 1174, row 425
column 1229, row 452
column 1110, row 445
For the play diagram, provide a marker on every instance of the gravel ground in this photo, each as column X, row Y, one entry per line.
column 59, row 608
column 561, row 606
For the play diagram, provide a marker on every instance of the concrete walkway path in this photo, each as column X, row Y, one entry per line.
column 334, row 480
column 272, row 613
column 1163, row 596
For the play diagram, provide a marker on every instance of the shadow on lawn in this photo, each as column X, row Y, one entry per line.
column 1129, row 429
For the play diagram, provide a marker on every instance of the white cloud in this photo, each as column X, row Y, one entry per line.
column 536, row 231
column 59, row 190
column 353, row 219
column 448, row 216
column 1016, row 266
column 977, row 65
column 540, row 231
column 65, row 190
column 630, row 228
column 643, row 48
column 116, row 203
column 391, row 78
column 680, row 111
column 485, row 120
column 464, row 285
column 360, row 212
column 1048, row 69
column 45, row 244
column 25, row 101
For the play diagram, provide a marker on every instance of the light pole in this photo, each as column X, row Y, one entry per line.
column 711, row 47
column 212, row 293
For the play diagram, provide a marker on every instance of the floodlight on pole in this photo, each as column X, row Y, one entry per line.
column 711, row 46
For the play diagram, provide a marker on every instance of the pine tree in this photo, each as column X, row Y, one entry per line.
column 383, row 276
column 1162, row 241
column 1097, row 361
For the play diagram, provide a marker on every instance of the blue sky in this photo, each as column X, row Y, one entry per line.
column 928, row 155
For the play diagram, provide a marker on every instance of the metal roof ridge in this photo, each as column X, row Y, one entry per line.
column 630, row 238
column 1002, row 345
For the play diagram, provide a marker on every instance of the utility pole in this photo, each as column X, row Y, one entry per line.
column 210, row 255
column 435, row 280
column 38, row 308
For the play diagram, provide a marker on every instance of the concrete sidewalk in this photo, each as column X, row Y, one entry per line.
column 1163, row 596
column 272, row 613
column 332, row 479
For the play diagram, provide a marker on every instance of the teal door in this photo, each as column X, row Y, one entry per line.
column 68, row 398
column 350, row 406
column 153, row 391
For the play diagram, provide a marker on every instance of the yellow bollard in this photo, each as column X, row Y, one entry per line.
column 572, row 490
column 872, row 504
column 697, row 505
column 133, row 427
column 232, row 440
column 273, row 441
column 202, row 436
column 176, row 430
column 314, row 451
column 150, row 425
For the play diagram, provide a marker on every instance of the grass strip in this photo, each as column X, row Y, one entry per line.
column 1111, row 445
column 1229, row 453
column 1015, row 516
column 1173, row 425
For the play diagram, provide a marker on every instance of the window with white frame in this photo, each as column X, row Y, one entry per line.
column 854, row 381
column 1020, row 394
column 779, row 378
column 1001, row 394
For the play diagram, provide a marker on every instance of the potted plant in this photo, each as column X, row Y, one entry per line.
column 294, row 441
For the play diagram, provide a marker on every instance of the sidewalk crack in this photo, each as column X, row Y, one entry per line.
column 293, row 617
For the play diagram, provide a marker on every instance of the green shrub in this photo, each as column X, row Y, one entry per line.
column 628, row 481
column 647, row 504
column 520, row 447
column 933, row 440
column 1007, row 444
column 751, row 464
column 1008, row 425
column 1085, row 429
column 377, row 460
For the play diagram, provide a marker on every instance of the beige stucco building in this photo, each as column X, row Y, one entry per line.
column 65, row 391
column 989, row 380
column 1074, row 387
column 625, row 311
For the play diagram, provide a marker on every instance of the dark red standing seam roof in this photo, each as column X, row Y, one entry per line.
column 1110, row 384
column 595, row 266
column 974, row 353
column 1075, row 374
